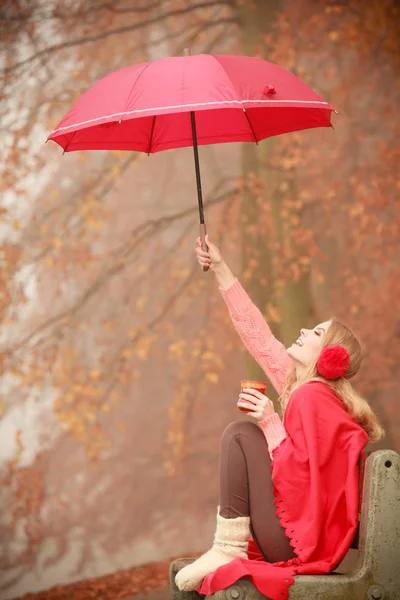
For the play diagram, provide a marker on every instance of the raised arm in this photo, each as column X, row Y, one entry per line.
column 256, row 335
column 250, row 324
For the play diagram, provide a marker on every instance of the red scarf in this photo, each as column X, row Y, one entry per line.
column 315, row 477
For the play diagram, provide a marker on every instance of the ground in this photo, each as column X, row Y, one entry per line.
column 146, row 582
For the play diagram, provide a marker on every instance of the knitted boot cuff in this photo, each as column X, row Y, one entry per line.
column 234, row 533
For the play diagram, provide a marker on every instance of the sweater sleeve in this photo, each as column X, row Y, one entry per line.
column 274, row 431
column 256, row 335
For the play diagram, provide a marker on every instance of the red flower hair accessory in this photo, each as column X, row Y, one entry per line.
column 333, row 362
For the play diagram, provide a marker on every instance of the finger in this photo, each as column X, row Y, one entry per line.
column 200, row 252
column 249, row 398
column 205, row 261
column 253, row 392
column 246, row 405
column 208, row 240
column 250, row 411
column 198, row 241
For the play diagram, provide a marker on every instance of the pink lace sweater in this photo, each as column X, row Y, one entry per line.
column 269, row 353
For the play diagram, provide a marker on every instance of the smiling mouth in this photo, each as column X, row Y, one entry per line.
column 299, row 343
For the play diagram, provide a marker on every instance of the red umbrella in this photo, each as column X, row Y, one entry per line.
column 189, row 101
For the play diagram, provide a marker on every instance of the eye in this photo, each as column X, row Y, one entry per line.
column 317, row 333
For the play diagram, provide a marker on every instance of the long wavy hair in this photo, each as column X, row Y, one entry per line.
column 357, row 407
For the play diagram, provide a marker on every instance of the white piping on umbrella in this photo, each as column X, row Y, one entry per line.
column 161, row 108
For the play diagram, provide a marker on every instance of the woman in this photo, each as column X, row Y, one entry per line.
column 288, row 490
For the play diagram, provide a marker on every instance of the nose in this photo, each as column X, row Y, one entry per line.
column 302, row 332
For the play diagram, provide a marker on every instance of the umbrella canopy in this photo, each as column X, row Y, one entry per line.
column 184, row 101
column 147, row 107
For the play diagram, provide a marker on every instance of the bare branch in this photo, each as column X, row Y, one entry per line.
column 71, row 202
column 143, row 232
column 132, row 9
column 119, row 359
column 209, row 48
column 118, row 30
column 19, row 15
column 190, row 39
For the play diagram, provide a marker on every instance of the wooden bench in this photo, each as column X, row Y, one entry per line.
column 376, row 575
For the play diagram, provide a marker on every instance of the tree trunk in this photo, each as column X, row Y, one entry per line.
column 255, row 19
column 295, row 301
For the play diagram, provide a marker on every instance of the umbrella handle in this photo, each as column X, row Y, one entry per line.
column 203, row 232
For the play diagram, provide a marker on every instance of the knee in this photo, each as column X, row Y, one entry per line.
column 240, row 427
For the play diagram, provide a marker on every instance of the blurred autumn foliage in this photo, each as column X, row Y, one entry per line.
column 116, row 350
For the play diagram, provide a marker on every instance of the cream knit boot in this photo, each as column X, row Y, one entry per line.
column 230, row 542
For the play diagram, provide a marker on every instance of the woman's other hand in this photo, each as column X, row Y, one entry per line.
column 256, row 404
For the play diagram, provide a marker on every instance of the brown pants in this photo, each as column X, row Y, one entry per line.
column 246, row 488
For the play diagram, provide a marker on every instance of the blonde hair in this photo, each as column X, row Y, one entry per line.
column 357, row 407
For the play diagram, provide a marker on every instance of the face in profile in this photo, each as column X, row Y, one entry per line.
column 309, row 345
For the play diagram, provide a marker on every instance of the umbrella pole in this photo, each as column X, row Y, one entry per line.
column 203, row 230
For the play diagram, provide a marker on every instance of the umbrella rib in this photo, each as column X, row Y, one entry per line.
column 72, row 137
column 251, row 126
column 151, row 134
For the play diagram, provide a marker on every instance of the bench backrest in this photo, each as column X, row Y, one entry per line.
column 361, row 473
column 379, row 542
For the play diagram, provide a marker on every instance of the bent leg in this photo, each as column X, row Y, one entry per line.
column 246, row 488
